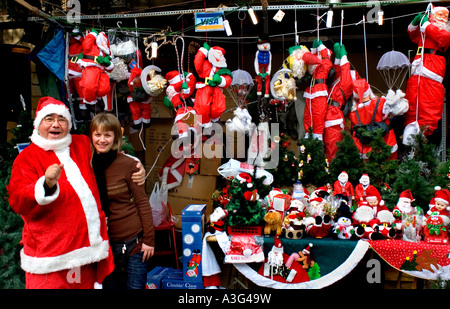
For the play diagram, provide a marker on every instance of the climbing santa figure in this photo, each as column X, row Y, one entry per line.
column 316, row 94
column 210, row 64
column 424, row 89
column 95, row 61
column 74, row 70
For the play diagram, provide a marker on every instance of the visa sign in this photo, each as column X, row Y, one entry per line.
column 208, row 22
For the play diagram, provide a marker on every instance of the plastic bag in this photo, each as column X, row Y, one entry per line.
column 158, row 202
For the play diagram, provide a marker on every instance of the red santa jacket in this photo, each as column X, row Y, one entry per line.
column 75, row 48
column 436, row 41
column 365, row 111
column 319, row 88
column 67, row 229
column 205, row 69
column 94, row 45
column 347, row 190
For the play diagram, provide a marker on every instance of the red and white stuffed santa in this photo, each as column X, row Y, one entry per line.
column 441, row 205
column 365, row 223
column 316, row 94
column 74, row 70
column 210, row 64
column 343, row 187
column 180, row 89
column 95, row 61
column 363, row 188
column 424, row 89
column 139, row 100
column 64, row 231
column 368, row 108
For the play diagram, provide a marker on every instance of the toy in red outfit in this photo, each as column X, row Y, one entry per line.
column 316, row 94
column 374, row 200
column 339, row 93
column 210, row 64
column 343, row 187
column 139, row 100
column 403, row 207
column 263, row 66
column 178, row 93
column 365, row 223
column 74, row 70
column 363, row 188
column 385, row 221
column 65, row 240
column 367, row 111
column 424, row 89
column 95, row 61
column 441, row 205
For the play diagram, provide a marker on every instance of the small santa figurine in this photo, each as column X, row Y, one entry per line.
column 343, row 187
column 365, row 223
column 385, row 224
column 362, row 187
column 217, row 220
column 139, row 100
column 441, row 205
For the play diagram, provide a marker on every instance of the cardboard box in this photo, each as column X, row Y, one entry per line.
column 194, row 189
column 193, row 224
column 155, row 277
column 170, row 283
column 159, row 110
column 211, row 159
column 158, row 141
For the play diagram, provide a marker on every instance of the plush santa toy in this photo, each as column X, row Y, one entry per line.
column 385, row 224
column 217, row 220
column 441, row 205
column 403, row 207
column 344, row 188
column 339, row 93
column 424, row 89
column 362, row 187
column 74, row 70
column 316, row 94
column 263, row 66
column 95, row 61
column 367, row 111
column 365, row 223
column 210, row 64
column 139, row 100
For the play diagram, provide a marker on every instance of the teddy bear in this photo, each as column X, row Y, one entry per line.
column 273, row 222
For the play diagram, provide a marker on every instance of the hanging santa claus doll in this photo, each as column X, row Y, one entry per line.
column 367, row 112
column 210, row 64
column 263, row 65
column 339, row 93
column 178, row 94
column 424, row 89
column 95, row 61
column 317, row 93
column 74, row 70
column 139, row 100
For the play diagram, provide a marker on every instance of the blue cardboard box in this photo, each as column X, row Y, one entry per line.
column 192, row 225
column 155, row 277
column 174, row 280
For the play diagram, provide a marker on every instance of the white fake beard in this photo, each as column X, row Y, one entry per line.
column 47, row 144
column 298, row 68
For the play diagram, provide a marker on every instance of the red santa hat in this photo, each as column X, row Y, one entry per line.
column 406, row 195
column 372, row 192
column 442, row 195
column 277, row 246
column 307, row 250
column 244, row 177
column 216, row 56
column 47, row 106
column 135, row 72
column 435, row 9
column 361, row 89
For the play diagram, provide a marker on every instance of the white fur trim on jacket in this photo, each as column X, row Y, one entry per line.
column 39, row 193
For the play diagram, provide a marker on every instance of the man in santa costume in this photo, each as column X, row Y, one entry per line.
column 339, row 93
column 210, row 64
column 53, row 188
column 368, row 109
column 424, row 89
column 178, row 93
column 95, row 61
column 316, row 94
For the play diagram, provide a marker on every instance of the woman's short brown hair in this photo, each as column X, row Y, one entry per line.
column 107, row 122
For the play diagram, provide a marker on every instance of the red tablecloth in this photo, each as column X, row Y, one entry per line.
column 419, row 259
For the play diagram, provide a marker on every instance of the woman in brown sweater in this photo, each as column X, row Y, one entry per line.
column 126, row 205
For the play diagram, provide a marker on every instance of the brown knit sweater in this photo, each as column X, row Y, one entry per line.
column 130, row 211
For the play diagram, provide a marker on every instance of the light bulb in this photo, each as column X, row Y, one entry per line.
column 329, row 18
column 252, row 15
column 154, row 47
column 226, row 24
column 380, row 17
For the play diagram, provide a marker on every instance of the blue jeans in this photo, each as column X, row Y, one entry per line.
column 134, row 276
